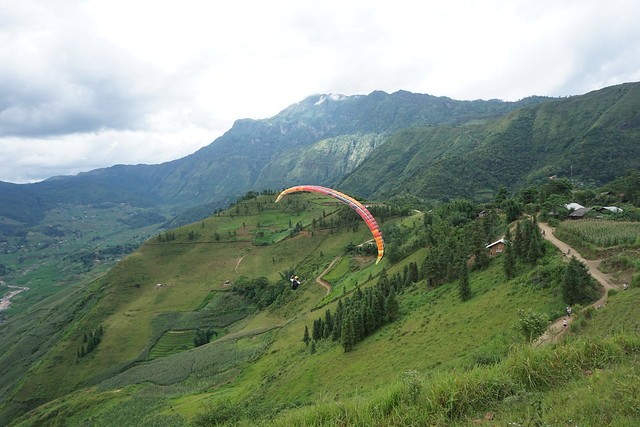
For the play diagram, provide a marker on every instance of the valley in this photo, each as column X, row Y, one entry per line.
column 160, row 294
column 256, row 365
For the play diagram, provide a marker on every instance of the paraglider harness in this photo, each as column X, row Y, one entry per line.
column 295, row 282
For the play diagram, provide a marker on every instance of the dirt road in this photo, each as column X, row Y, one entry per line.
column 557, row 328
column 321, row 281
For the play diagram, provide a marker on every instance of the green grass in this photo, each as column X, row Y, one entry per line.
column 172, row 342
column 135, row 312
column 287, row 373
column 544, row 386
column 259, row 368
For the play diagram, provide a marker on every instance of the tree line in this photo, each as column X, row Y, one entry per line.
column 89, row 342
column 358, row 317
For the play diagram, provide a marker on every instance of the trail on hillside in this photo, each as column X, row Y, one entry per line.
column 557, row 328
column 259, row 331
column 321, row 281
column 238, row 263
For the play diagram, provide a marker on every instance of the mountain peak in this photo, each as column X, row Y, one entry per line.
column 330, row 97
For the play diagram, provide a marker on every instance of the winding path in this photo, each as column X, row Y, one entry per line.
column 557, row 328
column 321, row 281
column 238, row 263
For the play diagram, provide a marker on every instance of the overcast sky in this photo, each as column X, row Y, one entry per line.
column 88, row 84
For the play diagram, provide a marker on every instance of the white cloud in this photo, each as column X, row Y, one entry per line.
column 77, row 77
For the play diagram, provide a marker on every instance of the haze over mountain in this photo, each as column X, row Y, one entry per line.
column 319, row 139
column 432, row 146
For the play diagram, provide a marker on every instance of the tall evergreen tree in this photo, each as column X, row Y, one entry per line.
column 578, row 287
column 306, row 337
column 348, row 336
column 509, row 261
column 392, row 307
column 535, row 249
column 518, row 240
column 464, row 288
column 316, row 333
column 479, row 246
column 413, row 272
column 337, row 321
column 328, row 321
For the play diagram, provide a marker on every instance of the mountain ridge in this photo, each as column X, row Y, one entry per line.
column 233, row 163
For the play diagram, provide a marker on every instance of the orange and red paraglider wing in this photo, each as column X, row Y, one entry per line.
column 349, row 201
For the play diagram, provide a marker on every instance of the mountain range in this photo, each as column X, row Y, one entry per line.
column 198, row 325
column 373, row 146
column 320, row 140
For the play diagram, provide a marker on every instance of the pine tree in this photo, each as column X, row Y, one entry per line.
column 369, row 320
column 479, row 246
column 578, row 287
column 337, row 321
column 509, row 261
column 316, row 333
column 378, row 307
column 413, row 272
column 464, row 289
column 348, row 336
column 306, row 337
column 383, row 280
column 328, row 321
column 312, row 350
column 517, row 241
column 391, row 306
column 358, row 323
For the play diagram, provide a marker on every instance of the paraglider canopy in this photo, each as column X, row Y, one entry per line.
column 349, row 201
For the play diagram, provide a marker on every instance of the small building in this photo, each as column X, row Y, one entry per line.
column 579, row 213
column 496, row 247
column 573, row 206
column 613, row 209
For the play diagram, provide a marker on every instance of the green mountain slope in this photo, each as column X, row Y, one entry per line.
column 317, row 140
column 248, row 156
column 144, row 371
column 591, row 138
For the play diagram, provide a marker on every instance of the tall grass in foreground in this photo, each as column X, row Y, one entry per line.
column 457, row 398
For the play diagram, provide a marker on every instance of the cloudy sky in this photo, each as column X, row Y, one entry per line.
column 88, row 84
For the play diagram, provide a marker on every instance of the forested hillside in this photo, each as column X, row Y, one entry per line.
column 591, row 138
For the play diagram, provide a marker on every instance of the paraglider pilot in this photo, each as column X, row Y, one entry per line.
column 295, row 282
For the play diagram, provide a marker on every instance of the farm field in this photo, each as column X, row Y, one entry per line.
column 603, row 233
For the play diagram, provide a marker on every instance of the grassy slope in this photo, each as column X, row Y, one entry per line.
column 131, row 302
column 274, row 369
column 287, row 374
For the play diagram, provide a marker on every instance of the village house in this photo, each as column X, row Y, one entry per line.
column 496, row 247
column 579, row 213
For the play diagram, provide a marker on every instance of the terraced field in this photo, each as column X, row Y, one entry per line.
column 172, row 342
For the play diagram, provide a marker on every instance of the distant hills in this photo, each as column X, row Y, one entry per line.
column 375, row 146
column 319, row 140
column 90, row 344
